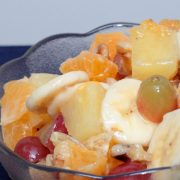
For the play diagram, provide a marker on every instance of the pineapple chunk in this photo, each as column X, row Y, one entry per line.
column 154, row 50
column 172, row 24
column 82, row 112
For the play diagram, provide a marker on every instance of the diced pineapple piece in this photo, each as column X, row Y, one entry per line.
column 172, row 24
column 154, row 50
column 82, row 112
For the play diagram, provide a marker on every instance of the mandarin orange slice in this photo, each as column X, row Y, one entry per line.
column 27, row 125
column 16, row 92
column 111, row 40
column 103, row 143
column 93, row 156
column 79, row 158
column 98, row 67
column 16, row 120
column 13, row 101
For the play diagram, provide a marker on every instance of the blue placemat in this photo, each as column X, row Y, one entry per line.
column 10, row 52
column 7, row 53
column 3, row 174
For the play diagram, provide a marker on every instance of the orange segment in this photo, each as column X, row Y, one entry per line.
column 94, row 156
column 13, row 100
column 98, row 67
column 78, row 162
column 79, row 158
column 103, row 143
column 111, row 40
column 17, row 122
column 27, row 125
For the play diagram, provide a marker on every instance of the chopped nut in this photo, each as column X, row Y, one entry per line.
column 135, row 152
column 124, row 65
column 102, row 49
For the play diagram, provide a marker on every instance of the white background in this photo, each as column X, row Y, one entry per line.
column 28, row 21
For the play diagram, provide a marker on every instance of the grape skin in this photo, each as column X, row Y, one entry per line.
column 130, row 167
column 155, row 98
column 31, row 149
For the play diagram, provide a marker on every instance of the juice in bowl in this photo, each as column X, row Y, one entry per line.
column 109, row 110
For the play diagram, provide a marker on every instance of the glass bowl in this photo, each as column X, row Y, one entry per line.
column 46, row 56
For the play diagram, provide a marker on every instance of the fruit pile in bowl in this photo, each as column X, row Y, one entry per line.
column 112, row 109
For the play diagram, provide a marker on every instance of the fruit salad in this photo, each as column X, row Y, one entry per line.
column 113, row 108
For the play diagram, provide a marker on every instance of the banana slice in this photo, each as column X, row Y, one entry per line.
column 40, row 98
column 165, row 143
column 120, row 114
column 165, row 146
column 178, row 39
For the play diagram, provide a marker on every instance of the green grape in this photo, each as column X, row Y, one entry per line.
column 156, row 97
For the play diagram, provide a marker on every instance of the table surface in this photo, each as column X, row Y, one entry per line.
column 7, row 53
column 10, row 52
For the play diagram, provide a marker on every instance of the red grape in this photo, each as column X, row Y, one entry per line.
column 45, row 133
column 59, row 125
column 31, row 149
column 155, row 98
column 130, row 167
